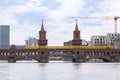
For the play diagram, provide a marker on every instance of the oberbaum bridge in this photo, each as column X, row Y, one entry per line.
column 75, row 52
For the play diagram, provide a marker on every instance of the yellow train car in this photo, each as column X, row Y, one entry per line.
column 69, row 47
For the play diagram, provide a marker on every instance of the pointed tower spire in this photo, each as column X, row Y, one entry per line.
column 42, row 27
column 42, row 41
column 76, row 36
column 76, row 27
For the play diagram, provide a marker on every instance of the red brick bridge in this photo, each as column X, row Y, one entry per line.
column 74, row 51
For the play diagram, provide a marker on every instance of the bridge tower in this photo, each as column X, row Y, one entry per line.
column 76, row 42
column 76, row 36
column 42, row 41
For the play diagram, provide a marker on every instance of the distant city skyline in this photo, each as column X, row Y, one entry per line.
column 24, row 18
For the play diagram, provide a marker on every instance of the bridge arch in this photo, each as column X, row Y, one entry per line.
column 104, row 59
column 27, row 59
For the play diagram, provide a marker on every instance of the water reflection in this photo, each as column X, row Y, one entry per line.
column 76, row 66
column 42, row 65
column 59, row 71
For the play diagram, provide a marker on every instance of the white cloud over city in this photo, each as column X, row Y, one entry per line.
column 24, row 18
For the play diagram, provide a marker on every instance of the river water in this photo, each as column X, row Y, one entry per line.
column 30, row 70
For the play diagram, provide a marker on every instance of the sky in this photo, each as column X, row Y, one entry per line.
column 25, row 18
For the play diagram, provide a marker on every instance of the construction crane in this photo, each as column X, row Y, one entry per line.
column 115, row 23
column 115, row 18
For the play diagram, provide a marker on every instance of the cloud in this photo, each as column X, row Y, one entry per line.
column 24, row 17
column 20, row 26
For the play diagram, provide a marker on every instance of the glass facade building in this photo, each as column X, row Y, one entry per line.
column 4, row 36
column 31, row 42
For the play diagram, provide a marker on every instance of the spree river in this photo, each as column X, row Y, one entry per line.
column 25, row 70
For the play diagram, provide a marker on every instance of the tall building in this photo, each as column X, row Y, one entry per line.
column 42, row 41
column 4, row 36
column 31, row 42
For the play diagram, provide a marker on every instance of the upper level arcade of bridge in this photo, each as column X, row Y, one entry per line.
column 69, row 47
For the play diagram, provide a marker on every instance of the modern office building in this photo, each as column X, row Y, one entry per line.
column 98, row 40
column 111, row 38
column 117, row 43
column 106, row 40
column 31, row 42
column 4, row 36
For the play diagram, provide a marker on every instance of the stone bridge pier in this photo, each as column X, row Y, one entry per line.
column 78, row 56
column 12, row 54
column 43, row 57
